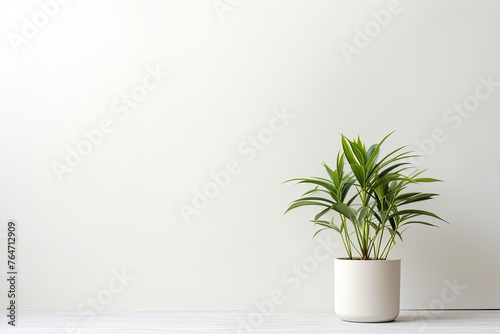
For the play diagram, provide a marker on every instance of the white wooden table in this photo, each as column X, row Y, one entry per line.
column 236, row 322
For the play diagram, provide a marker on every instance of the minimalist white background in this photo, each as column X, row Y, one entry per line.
column 231, row 66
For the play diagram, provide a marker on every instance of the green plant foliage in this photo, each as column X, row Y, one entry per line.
column 369, row 201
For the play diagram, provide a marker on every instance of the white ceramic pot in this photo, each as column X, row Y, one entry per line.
column 367, row 290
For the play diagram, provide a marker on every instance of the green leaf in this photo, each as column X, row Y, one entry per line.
column 310, row 191
column 321, row 214
column 418, row 222
column 426, row 179
column 299, row 203
column 392, row 221
column 392, row 167
column 314, row 198
column 359, row 173
column 372, row 157
column 406, row 195
column 344, row 191
column 363, row 212
column 340, row 164
column 320, row 231
column 327, row 184
column 416, row 198
column 347, row 151
column 359, row 152
column 345, row 210
column 333, row 175
column 416, row 213
column 328, row 224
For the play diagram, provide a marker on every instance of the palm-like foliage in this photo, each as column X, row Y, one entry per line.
column 370, row 198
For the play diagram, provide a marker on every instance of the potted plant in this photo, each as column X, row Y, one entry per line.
column 369, row 201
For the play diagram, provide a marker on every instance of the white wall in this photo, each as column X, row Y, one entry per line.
column 228, row 76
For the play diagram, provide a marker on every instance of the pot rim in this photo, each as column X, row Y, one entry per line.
column 359, row 259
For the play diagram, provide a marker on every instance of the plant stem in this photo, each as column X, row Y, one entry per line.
column 347, row 238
